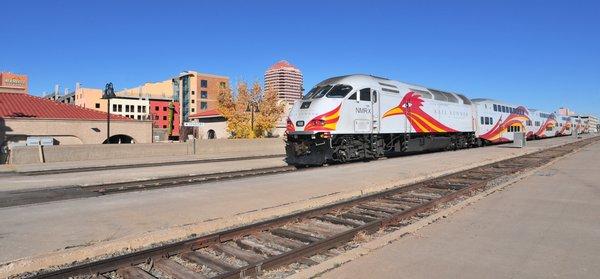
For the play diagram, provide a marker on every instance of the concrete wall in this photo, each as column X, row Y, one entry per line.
column 90, row 152
column 205, row 149
column 73, row 131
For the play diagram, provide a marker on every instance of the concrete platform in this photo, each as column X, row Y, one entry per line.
column 545, row 226
column 60, row 232
column 46, row 181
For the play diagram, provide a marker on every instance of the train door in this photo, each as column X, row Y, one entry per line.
column 363, row 122
column 375, row 112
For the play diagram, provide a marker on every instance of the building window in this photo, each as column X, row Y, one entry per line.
column 222, row 84
column 164, row 108
column 193, row 92
column 156, row 108
column 139, row 117
column 203, row 105
column 114, row 108
column 144, row 109
column 203, row 83
column 164, row 117
column 203, row 94
column 120, row 108
column 97, row 105
column 164, row 126
column 193, row 101
column 126, row 108
column 193, row 110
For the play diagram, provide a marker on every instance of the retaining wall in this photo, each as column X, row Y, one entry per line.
column 204, row 149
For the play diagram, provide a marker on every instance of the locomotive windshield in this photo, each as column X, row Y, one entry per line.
column 331, row 91
column 339, row 91
column 317, row 92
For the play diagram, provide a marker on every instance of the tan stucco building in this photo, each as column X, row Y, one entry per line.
column 24, row 117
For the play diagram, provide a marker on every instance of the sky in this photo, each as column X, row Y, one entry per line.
column 542, row 54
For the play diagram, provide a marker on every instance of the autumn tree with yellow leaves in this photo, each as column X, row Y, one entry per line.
column 236, row 109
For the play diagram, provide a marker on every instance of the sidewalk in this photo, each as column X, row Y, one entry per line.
column 545, row 226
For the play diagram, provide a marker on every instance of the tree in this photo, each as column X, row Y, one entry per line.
column 236, row 110
column 270, row 111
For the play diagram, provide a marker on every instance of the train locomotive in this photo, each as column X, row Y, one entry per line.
column 363, row 117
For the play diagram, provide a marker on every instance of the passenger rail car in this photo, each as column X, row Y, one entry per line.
column 362, row 117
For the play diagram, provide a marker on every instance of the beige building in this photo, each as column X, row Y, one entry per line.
column 161, row 89
column 24, row 117
column 209, row 124
column 90, row 98
column 286, row 79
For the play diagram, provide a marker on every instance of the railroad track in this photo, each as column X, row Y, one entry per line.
column 299, row 238
column 24, row 197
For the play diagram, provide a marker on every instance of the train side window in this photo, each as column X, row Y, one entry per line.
column 487, row 121
column 353, row 96
column 482, row 122
column 491, row 120
column 495, row 107
column 365, row 94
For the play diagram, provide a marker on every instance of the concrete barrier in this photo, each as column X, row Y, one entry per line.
column 204, row 149
column 89, row 152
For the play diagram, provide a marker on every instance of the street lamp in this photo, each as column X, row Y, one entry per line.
column 252, row 108
column 109, row 93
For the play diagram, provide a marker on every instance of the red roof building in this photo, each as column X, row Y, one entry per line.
column 15, row 105
column 207, row 114
column 25, row 119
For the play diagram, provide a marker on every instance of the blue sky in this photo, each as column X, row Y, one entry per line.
column 542, row 54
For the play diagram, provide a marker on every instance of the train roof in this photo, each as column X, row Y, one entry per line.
column 391, row 86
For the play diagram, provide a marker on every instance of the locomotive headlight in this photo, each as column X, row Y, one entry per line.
column 326, row 135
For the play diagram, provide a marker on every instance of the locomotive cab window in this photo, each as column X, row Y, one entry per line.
column 339, row 91
column 352, row 97
column 365, row 94
column 317, row 92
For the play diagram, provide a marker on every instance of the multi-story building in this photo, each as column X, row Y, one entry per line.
column 197, row 92
column 194, row 92
column 90, row 98
column 159, row 114
column 13, row 83
column 286, row 79
column 134, row 108
column 67, row 98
